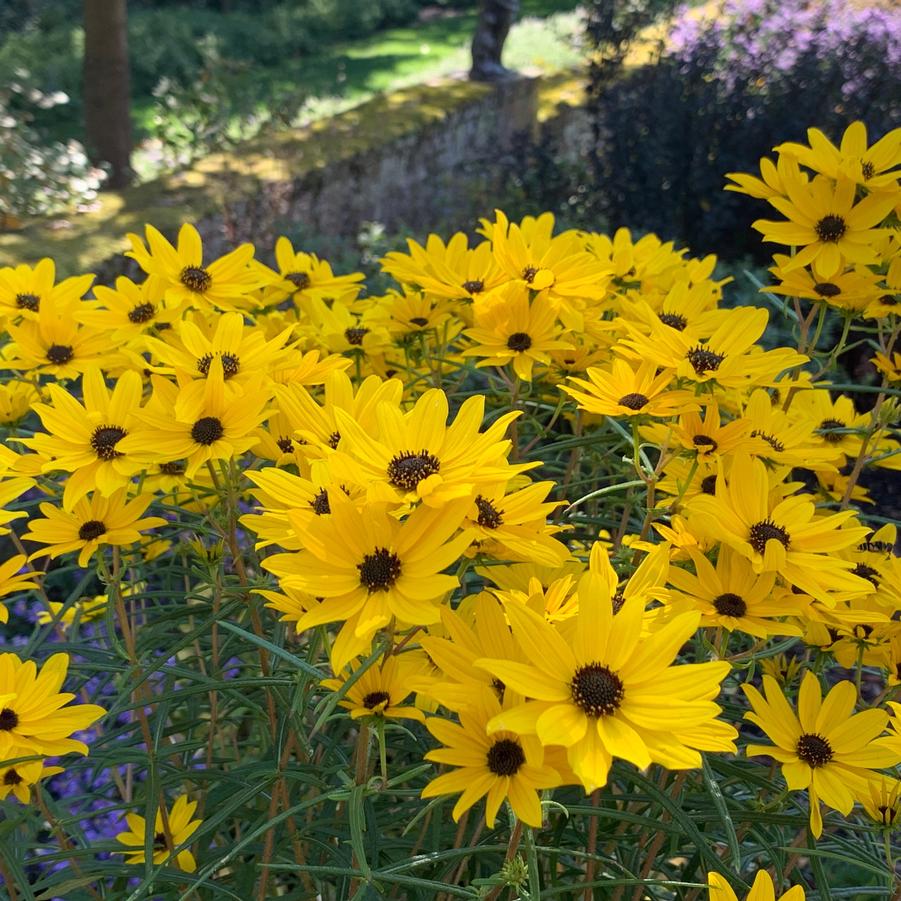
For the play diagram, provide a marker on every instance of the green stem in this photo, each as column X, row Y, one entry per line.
column 532, row 860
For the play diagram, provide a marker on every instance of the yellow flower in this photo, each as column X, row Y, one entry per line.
column 762, row 889
column 93, row 521
column 826, row 748
column 303, row 276
column 130, row 310
column 189, row 347
column 382, row 688
column 196, row 426
column 24, row 291
column 35, row 718
column 85, row 609
column 883, row 804
column 707, row 438
column 783, row 535
column 13, row 578
column 17, row 778
column 452, row 270
column 728, row 356
column 369, row 568
column 497, row 764
column 83, row 439
column 225, row 283
column 773, row 181
column 825, row 222
column 602, row 691
column 417, row 456
column 58, row 346
column 16, row 398
column 626, row 390
column 852, row 290
column 514, row 526
column 735, row 597
column 875, row 168
column 181, row 827
column 510, row 328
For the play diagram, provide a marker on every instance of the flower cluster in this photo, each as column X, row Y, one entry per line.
column 522, row 504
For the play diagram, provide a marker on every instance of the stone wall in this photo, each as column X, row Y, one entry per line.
column 406, row 159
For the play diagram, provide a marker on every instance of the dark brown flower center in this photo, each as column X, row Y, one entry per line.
column 143, row 312
column 91, row 529
column 104, row 441
column 519, row 341
column 9, row 719
column 196, row 279
column 406, row 470
column 285, row 444
column 673, row 320
column 596, row 689
column 831, row 229
column 703, row 359
column 529, row 274
column 708, row 484
column 505, row 757
column 730, row 604
column 827, row 289
column 704, row 443
column 28, row 302
column 634, row 401
column 879, row 547
column 320, row 503
column 379, row 570
column 767, row 530
column 300, row 280
column 420, row 321
column 865, row 571
column 489, row 516
column 173, row 468
column 867, row 170
column 11, row 777
column 355, row 335
column 827, row 430
column 230, row 364
column 474, row 287
column 617, row 601
column 207, row 430
column 333, row 440
column 772, row 441
column 159, row 841
column 814, row 749
column 375, row 699
column 59, row 354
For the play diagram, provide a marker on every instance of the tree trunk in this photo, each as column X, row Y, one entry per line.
column 107, row 100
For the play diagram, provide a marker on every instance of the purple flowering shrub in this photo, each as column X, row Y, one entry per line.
column 725, row 90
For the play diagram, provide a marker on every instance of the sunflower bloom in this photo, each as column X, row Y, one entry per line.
column 83, row 439
column 733, row 596
column 14, row 578
column 825, row 222
column 511, row 329
column 93, row 521
column 224, row 283
column 181, row 827
column 762, row 889
column 18, row 778
column 418, row 457
column 826, row 748
column 196, row 426
column 603, row 692
column 624, row 390
column 35, row 717
column 777, row 534
column 381, row 690
column 497, row 764
column 302, row 276
column 368, row 567
column 25, row 290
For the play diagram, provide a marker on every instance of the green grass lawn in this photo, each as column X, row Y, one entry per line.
column 310, row 87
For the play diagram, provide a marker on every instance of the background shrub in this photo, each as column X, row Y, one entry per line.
column 724, row 92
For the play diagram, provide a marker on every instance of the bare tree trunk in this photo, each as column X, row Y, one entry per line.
column 107, row 100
